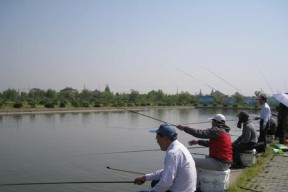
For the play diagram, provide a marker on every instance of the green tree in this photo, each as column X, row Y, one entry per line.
column 184, row 98
column 86, row 95
column 37, row 95
column 68, row 94
column 134, row 97
column 51, row 94
column 10, row 95
column 239, row 98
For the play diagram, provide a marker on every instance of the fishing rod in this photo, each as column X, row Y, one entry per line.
column 193, row 77
column 266, row 82
column 220, row 78
column 202, row 122
column 136, row 151
column 213, row 74
column 198, row 154
column 146, row 115
column 60, row 183
column 126, row 171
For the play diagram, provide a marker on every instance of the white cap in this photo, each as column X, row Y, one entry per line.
column 219, row 117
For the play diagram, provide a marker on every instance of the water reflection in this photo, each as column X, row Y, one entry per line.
column 32, row 117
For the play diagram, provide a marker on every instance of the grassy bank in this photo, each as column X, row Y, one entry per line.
column 249, row 173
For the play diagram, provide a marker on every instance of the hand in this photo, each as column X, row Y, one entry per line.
column 180, row 127
column 193, row 142
column 140, row 180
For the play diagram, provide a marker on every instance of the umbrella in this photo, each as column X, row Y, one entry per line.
column 282, row 98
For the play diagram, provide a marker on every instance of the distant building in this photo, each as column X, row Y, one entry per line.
column 206, row 99
column 272, row 101
column 249, row 101
column 218, row 94
column 229, row 101
column 69, row 89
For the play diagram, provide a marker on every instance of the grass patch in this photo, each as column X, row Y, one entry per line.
column 251, row 172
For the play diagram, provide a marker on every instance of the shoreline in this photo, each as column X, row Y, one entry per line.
column 82, row 110
column 7, row 112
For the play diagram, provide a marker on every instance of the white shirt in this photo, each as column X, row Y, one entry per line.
column 179, row 173
column 265, row 114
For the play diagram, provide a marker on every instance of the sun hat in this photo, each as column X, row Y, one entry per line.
column 219, row 117
column 243, row 116
column 165, row 129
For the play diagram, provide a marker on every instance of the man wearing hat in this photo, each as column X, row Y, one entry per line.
column 247, row 140
column 265, row 115
column 179, row 172
column 219, row 142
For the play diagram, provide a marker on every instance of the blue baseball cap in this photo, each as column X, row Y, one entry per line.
column 166, row 130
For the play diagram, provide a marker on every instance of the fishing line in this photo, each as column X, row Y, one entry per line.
column 68, row 182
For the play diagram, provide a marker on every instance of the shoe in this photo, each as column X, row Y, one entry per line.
column 237, row 166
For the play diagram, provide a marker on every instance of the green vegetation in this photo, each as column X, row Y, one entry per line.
column 71, row 98
column 249, row 173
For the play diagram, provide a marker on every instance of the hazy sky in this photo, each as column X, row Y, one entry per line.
column 183, row 45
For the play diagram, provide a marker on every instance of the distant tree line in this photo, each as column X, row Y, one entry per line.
column 69, row 97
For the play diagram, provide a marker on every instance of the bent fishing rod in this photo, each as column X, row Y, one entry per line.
column 140, row 173
column 193, row 77
column 61, row 183
column 126, row 171
column 135, row 151
column 145, row 115
column 220, row 78
column 202, row 122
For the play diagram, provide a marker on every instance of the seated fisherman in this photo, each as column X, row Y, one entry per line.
column 247, row 140
column 217, row 139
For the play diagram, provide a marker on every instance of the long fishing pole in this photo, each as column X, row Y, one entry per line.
column 166, row 121
column 220, row 78
column 266, row 82
column 126, row 171
column 146, row 116
column 136, row 151
column 198, row 154
column 203, row 122
column 61, row 183
column 193, row 77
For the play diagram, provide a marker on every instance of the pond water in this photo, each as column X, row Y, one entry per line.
column 76, row 147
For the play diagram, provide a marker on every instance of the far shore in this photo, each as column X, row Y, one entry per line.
column 26, row 111
column 82, row 110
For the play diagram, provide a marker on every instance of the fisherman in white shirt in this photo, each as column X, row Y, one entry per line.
column 265, row 115
column 179, row 172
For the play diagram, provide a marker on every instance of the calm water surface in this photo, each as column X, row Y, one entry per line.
column 79, row 147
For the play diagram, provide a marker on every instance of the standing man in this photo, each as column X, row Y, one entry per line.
column 179, row 172
column 282, row 126
column 247, row 140
column 265, row 115
column 219, row 142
